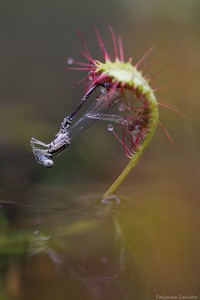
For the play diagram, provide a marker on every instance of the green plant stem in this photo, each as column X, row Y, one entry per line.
column 153, row 106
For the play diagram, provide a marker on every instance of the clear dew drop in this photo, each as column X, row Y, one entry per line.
column 70, row 60
column 110, row 127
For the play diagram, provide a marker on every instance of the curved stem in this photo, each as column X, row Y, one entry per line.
column 153, row 121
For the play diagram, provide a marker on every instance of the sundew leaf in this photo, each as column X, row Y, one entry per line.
column 123, row 76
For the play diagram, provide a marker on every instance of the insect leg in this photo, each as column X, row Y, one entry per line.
column 87, row 95
column 37, row 142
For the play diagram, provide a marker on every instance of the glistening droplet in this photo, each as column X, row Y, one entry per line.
column 110, row 127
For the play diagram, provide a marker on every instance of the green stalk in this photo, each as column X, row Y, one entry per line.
column 149, row 98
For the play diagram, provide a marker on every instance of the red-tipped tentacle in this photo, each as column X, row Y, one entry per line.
column 129, row 138
column 149, row 65
column 161, row 88
column 71, row 61
column 85, row 48
column 168, row 106
column 114, row 42
column 167, row 135
column 80, row 68
column 81, row 81
column 144, row 57
column 151, row 77
column 124, row 145
column 126, row 150
column 121, row 50
column 101, row 44
column 96, row 80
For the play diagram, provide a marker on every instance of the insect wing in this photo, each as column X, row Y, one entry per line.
column 101, row 105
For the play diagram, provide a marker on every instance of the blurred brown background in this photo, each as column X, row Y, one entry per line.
column 36, row 91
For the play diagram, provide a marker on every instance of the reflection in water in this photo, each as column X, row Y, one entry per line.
column 89, row 250
column 112, row 199
column 42, row 243
column 94, row 260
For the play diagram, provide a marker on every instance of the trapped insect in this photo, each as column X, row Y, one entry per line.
column 137, row 115
column 123, row 76
column 67, row 132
